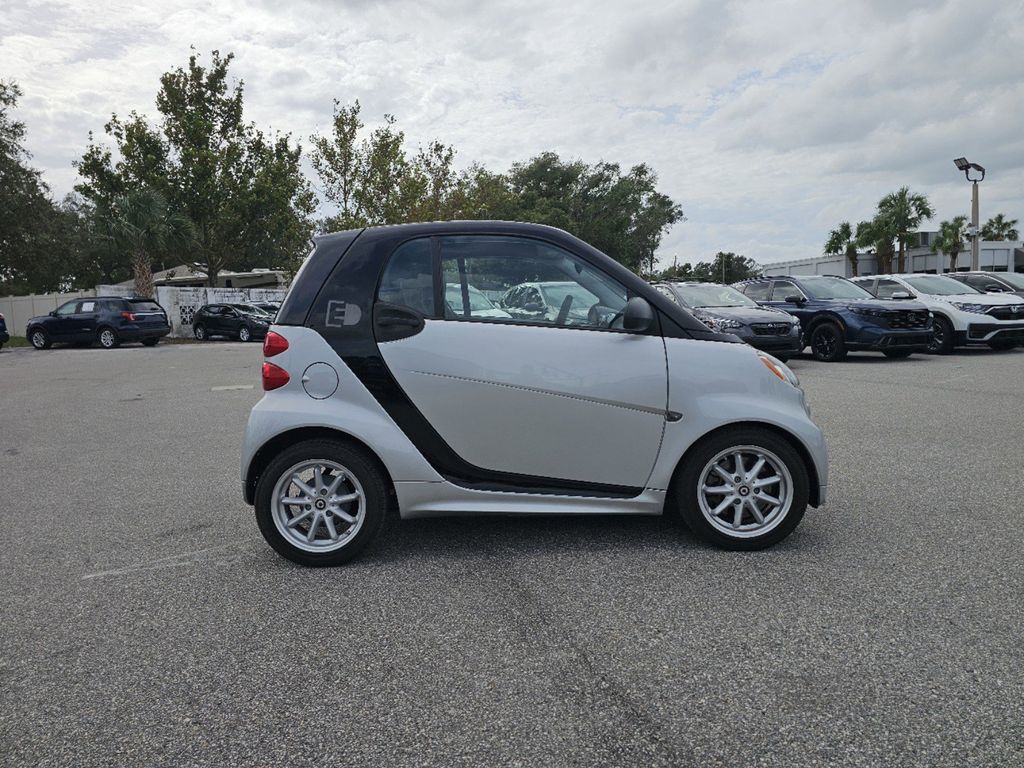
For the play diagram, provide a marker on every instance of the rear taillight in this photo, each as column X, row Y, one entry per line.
column 274, row 376
column 274, row 344
column 128, row 316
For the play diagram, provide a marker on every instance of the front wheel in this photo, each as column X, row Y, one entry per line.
column 243, row 334
column 40, row 339
column 199, row 332
column 743, row 488
column 897, row 354
column 827, row 343
column 320, row 502
column 942, row 337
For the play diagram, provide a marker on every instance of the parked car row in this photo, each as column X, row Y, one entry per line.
column 896, row 315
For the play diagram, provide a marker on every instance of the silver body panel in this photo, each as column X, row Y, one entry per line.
column 711, row 384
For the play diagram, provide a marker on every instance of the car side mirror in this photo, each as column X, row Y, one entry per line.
column 53, row 313
column 902, row 295
column 795, row 299
column 637, row 316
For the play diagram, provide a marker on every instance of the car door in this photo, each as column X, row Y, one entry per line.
column 782, row 291
column 85, row 320
column 231, row 321
column 62, row 326
column 548, row 403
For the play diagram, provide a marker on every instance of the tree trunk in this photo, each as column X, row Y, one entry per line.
column 851, row 255
column 902, row 262
column 142, row 269
column 954, row 257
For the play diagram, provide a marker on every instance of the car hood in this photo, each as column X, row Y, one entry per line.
column 747, row 315
column 881, row 303
column 985, row 299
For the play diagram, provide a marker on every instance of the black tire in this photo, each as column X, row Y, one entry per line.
column 356, row 462
column 107, row 338
column 1001, row 345
column 244, row 334
column 897, row 354
column 199, row 331
column 39, row 338
column 780, row 358
column 151, row 342
column 942, row 340
column 827, row 343
column 684, row 495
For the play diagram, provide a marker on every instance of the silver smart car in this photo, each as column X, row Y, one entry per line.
column 387, row 384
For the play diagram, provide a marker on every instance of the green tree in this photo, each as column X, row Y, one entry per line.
column 841, row 240
column 1000, row 228
column 726, row 267
column 141, row 225
column 905, row 211
column 878, row 234
column 949, row 240
column 244, row 192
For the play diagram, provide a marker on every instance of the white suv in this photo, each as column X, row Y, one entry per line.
column 963, row 316
column 384, row 386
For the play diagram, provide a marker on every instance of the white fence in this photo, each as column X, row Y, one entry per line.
column 181, row 303
column 17, row 310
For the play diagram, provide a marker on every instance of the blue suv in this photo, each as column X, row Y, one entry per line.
column 839, row 316
column 108, row 320
column 4, row 335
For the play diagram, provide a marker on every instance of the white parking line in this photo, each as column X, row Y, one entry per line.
column 173, row 561
column 230, row 387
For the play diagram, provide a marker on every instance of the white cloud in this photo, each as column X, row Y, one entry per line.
column 769, row 122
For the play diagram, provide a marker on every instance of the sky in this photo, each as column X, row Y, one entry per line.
column 769, row 122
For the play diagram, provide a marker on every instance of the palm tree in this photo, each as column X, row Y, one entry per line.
column 1000, row 228
column 878, row 234
column 949, row 240
column 906, row 210
column 841, row 240
column 141, row 224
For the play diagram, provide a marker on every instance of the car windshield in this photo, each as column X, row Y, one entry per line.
column 712, row 296
column 833, row 288
column 937, row 285
column 477, row 301
column 555, row 293
column 1013, row 278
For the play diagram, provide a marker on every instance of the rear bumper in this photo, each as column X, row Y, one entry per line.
column 138, row 334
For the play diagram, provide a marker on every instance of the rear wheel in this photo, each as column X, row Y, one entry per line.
column 827, row 343
column 199, row 332
column 942, row 337
column 320, row 502
column 107, row 337
column 40, row 339
column 743, row 488
column 897, row 354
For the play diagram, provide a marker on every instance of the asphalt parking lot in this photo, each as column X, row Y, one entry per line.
column 145, row 622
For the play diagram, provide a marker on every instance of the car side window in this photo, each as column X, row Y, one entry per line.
column 87, row 306
column 408, row 278
column 758, row 291
column 886, row 288
column 67, row 309
column 521, row 280
column 984, row 283
column 783, row 288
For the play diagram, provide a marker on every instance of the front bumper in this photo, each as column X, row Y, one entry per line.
column 878, row 338
column 4, row 336
column 981, row 333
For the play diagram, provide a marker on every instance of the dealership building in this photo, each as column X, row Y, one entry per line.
column 995, row 256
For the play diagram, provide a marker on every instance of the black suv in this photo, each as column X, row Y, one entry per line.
column 244, row 322
column 4, row 335
column 106, row 319
column 839, row 316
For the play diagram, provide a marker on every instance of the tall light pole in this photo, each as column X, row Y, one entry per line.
column 975, row 230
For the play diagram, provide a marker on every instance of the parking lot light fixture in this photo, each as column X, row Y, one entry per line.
column 962, row 164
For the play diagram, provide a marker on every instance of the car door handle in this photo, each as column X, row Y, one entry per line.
column 393, row 320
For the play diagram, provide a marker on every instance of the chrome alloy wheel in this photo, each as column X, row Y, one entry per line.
column 107, row 338
column 243, row 334
column 745, row 491
column 318, row 505
column 38, row 340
